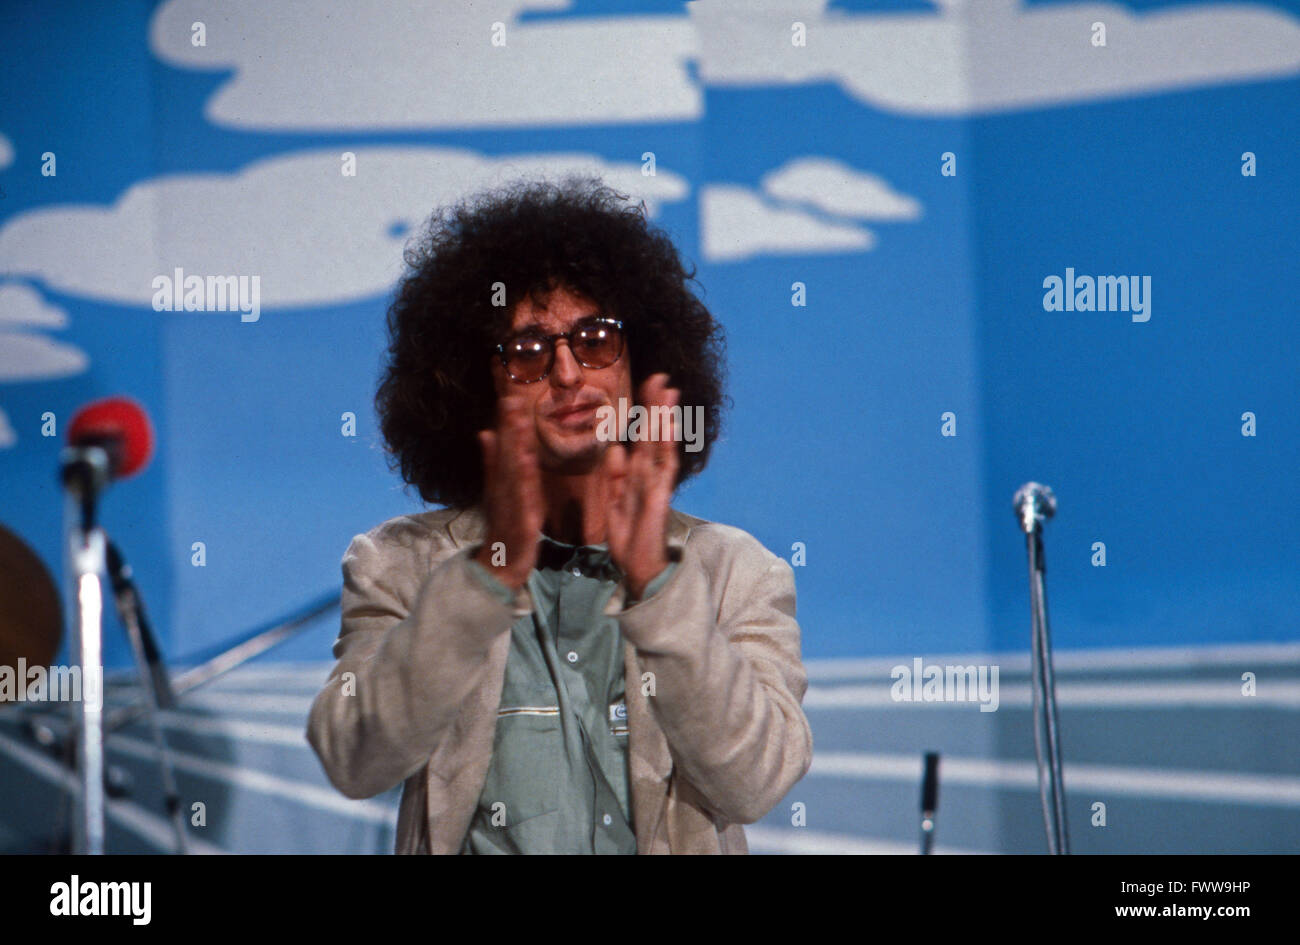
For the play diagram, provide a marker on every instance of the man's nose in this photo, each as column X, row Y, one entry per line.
column 567, row 372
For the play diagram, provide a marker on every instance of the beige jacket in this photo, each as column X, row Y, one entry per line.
column 422, row 653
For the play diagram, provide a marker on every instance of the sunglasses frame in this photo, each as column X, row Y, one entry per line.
column 550, row 340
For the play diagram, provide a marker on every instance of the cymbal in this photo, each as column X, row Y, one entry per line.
column 31, row 614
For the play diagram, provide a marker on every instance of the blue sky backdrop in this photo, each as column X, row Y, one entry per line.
column 775, row 164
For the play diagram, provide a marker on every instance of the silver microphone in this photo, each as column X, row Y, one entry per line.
column 1033, row 503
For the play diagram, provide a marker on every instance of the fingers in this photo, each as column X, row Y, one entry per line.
column 616, row 475
column 512, row 490
column 620, row 515
column 595, row 505
column 665, row 453
column 661, row 454
column 516, row 440
column 515, row 427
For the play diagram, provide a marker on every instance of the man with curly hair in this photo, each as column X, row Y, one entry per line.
column 559, row 661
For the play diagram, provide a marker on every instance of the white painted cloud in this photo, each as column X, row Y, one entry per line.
column 32, row 357
column 324, row 65
column 994, row 55
column 737, row 223
column 6, row 152
column 22, row 305
column 312, row 235
column 7, row 436
column 837, row 188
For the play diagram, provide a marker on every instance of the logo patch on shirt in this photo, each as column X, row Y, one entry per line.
column 618, row 718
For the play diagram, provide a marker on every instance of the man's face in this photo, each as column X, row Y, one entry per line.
column 564, row 403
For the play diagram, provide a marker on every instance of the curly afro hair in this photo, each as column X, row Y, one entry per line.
column 436, row 390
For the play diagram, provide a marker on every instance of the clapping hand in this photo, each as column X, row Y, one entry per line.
column 640, row 480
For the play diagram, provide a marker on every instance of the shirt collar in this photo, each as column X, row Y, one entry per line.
column 468, row 526
column 592, row 560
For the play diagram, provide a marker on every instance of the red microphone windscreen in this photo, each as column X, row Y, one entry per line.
column 116, row 418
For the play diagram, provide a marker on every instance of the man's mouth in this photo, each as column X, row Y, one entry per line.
column 575, row 415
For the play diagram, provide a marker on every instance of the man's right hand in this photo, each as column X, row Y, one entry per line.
column 512, row 494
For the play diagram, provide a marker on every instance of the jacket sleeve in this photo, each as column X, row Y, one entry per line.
column 728, row 679
column 413, row 644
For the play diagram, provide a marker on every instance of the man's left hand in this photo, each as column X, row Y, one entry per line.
column 641, row 482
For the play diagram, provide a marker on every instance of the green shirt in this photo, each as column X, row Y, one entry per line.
column 558, row 779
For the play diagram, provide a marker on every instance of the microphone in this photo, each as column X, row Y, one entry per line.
column 1033, row 504
column 108, row 439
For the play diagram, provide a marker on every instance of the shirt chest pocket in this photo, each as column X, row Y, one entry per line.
column 527, row 770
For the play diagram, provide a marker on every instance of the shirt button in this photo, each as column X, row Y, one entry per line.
column 607, row 820
column 572, row 657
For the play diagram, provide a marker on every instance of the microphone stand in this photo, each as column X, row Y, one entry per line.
column 929, row 801
column 1034, row 503
column 153, row 679
column 212, row 665
column 85, row 470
